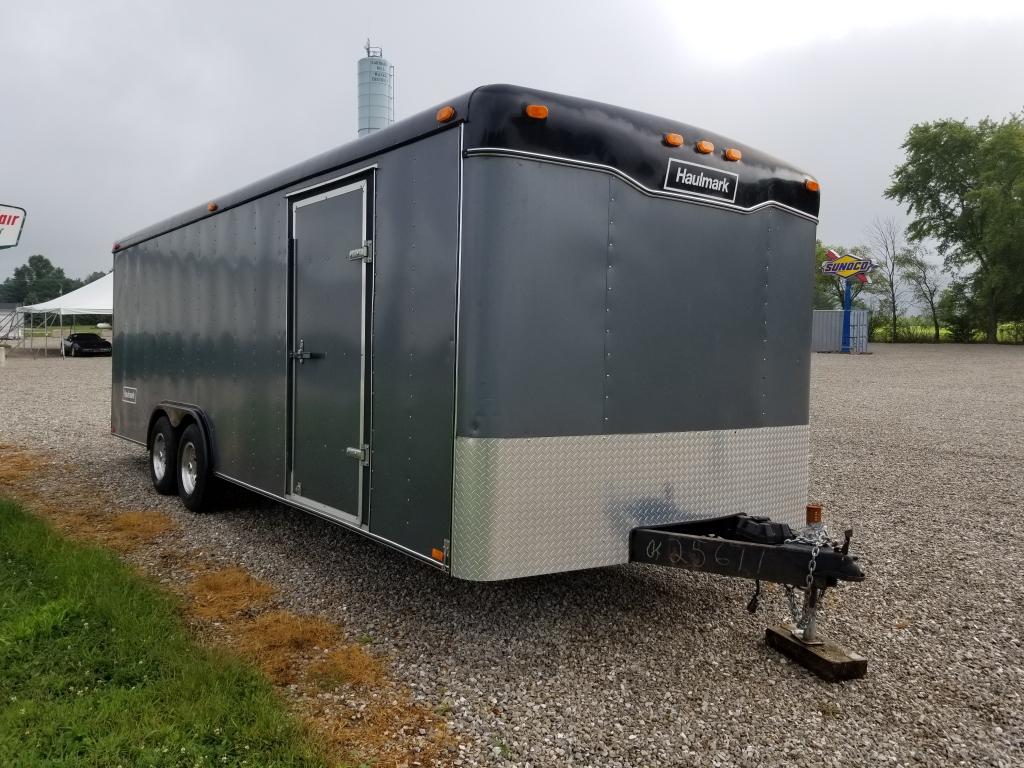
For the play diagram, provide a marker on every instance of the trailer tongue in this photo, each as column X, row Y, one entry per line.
column 757, row 548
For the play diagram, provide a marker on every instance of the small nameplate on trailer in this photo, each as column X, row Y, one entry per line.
column 701, row 180
column 128, row 395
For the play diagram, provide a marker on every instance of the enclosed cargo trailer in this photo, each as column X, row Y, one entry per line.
column 502, row 336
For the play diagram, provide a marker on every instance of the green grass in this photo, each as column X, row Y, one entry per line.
column 916, row 329
column 97, row 670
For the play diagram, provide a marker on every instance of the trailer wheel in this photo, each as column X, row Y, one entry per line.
column 194, row 476
column 163, row 455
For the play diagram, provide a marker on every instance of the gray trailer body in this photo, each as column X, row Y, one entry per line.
column 498, row 359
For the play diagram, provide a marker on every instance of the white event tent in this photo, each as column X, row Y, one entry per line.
column 96, row 298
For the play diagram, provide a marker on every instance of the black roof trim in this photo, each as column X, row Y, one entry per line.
column 576, row 129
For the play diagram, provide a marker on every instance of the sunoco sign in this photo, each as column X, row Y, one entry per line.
column 847, row 266
column 11, row 221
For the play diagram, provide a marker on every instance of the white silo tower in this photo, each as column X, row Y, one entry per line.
column 376, row 91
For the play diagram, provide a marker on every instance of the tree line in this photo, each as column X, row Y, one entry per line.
column 38, row 280
column 963, row 187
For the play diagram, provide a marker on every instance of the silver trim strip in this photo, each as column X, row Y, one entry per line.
column 291, row 502
column 500, row 152
column 458, row 335
column 335, row 180
column 129, row 440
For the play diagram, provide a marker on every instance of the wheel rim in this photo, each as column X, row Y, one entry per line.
column 189, row 468
column 159, row 456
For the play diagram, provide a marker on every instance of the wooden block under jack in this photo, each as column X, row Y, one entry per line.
column 824, row 659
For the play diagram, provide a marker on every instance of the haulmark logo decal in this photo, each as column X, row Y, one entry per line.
column 128, row 395
column 696, row 179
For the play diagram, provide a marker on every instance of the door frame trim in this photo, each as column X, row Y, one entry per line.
column 320, row 508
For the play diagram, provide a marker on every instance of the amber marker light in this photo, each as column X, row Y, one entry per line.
column 673, row 139
column 437, row 554
column 536, row 111
column 812, row 185
column 211, row 207
column 445, row 114
column 705, row 147
column 733, row 154
column 814, row 514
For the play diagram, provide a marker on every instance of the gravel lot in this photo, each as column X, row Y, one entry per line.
column 636, row 666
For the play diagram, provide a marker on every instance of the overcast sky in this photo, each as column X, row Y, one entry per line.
column 114, row 115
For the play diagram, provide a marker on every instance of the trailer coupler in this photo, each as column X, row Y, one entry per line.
column 757, row 548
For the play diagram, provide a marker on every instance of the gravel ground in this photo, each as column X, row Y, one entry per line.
column 637, row 666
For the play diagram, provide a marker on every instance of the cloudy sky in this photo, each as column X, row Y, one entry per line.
column 114, row 115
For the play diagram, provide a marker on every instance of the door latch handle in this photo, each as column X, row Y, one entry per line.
column 362, row 455
column 302, row 356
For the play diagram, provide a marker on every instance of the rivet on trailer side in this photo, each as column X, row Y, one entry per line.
column 495, row 337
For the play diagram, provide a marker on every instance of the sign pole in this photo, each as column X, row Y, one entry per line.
column 847, row 306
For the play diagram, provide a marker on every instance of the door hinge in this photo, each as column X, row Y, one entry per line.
column 364, row 254
column 360, row 454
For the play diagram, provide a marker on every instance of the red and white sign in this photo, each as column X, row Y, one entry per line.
column 11, row 221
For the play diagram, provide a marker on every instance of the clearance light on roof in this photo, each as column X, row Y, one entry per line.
column 445, row 114
column 733, row 154
column 705, row 147
column 673, row 139
column 812, row 185
column 536, row 111
column 211, row 207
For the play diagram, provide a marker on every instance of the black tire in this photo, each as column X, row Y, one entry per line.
column 195, row 480
column 163, row 457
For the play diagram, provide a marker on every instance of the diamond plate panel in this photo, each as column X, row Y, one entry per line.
column 527, row 506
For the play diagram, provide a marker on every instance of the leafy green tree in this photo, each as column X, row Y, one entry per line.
column 824, row 286
column 35, row 281
column 958, row 311
column 964, row 186
column 92, row 277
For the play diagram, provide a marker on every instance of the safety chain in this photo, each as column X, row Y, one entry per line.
column 816, row 535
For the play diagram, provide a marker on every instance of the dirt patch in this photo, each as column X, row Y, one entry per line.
column 17, row 466
column 348, row 665
column 227, row 592
column 127, row 531
column 281, row 641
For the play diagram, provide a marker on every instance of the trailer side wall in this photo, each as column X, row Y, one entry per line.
column 203, row 319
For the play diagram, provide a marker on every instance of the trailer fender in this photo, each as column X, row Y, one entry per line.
column 182, row 414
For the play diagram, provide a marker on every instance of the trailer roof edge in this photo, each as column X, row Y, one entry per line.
column 581, row 130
